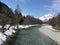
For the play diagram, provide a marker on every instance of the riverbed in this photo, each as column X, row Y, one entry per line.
column 32, row 36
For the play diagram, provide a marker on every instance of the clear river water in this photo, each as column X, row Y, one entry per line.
column 32, row 36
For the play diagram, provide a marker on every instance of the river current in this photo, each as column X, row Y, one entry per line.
column 32, row 36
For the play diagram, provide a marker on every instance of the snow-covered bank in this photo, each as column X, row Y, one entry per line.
column 2, row 38
column 26, row 26
column 52, row 33
column 11, row 30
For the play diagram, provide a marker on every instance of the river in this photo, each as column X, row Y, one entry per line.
column 32, row 36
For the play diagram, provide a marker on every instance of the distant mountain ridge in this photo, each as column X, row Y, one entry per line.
column 46, row 17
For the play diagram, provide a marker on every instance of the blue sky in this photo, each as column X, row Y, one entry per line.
column 35, row 8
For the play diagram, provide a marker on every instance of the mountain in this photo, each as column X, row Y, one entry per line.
column 46, row 17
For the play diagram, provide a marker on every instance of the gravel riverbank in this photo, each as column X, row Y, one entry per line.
column 52, row 33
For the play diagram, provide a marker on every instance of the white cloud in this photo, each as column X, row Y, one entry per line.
column 54, row 7
column 56, row 4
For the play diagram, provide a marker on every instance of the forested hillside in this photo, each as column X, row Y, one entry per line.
column 8, row 16
column 55, row 21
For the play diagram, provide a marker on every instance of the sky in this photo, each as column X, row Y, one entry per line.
column 35, row 8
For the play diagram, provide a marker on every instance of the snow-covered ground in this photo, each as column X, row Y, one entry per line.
column 11, row 31
column 52, row 33
column 26, row 26
column 2, row 38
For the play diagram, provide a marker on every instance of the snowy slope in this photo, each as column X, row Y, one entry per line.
column 46, row 17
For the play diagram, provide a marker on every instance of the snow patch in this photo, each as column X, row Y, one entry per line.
column 0, row 26
column 20, row 26
column 46, row 17
column 7, row 26
column 9, row 32
column 1, row 42
column 2, row 37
